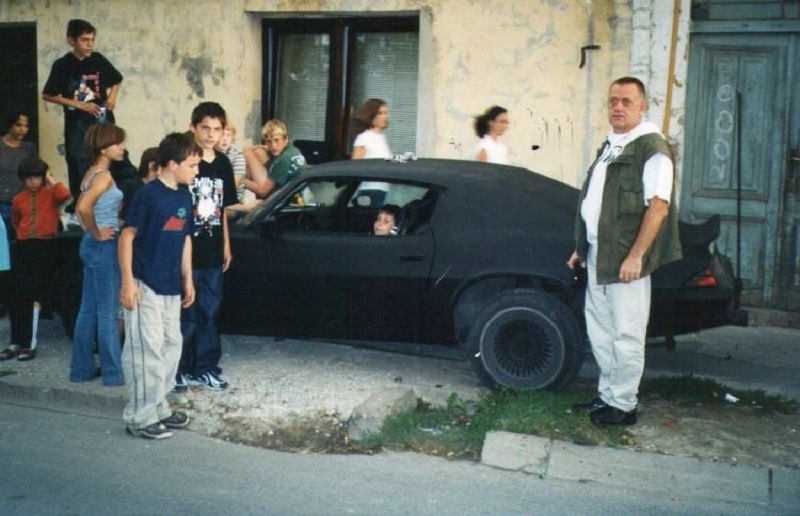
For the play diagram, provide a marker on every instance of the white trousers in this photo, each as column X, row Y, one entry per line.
column 153, row 346
column 616, row 321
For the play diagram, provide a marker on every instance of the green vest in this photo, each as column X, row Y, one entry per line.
column 622, row 211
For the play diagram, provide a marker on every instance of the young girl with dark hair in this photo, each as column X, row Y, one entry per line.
column 489, row 126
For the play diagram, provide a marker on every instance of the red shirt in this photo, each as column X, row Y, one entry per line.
column 36, row 214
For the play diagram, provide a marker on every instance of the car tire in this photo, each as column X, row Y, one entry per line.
column 525, row 339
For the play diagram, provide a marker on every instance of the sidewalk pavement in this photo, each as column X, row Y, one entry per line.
column 275, row 379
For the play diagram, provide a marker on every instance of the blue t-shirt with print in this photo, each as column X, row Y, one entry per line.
column 162, row 218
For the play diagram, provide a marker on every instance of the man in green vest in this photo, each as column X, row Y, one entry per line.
column 626, row 227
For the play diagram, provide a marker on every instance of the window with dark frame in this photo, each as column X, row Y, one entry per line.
column 318, row 72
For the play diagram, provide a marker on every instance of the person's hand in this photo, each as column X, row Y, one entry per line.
column 574, row 259
column 106, row 233
column 111, row 104
column 631, row 269
column 49, row 179
column 90, row 108
column 129, row 295
column 188, row 293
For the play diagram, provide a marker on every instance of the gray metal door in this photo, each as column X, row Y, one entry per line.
column 755, row 77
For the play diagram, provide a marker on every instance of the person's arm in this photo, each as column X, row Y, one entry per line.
column 482, row 155
column 186, row 273
column 227, row 256
column 129, row 295
column 653, row 219
column 359, row 152
column 111, row 99
column 575, row 260
column 86, row 203
column 259, row 182
column 87, row 107
column 60, row 192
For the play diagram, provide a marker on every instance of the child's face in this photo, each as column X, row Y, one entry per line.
column 226, row 140
column 82, row 46
column 33, row 183
column 383, row 224
column 276, row 142
column 207, row 133
column 187, row 169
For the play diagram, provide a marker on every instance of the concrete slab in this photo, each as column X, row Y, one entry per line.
column 516, row 452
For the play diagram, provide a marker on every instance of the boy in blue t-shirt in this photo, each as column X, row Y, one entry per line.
column 155, row 260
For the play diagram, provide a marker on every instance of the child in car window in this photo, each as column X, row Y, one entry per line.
column 387, row 221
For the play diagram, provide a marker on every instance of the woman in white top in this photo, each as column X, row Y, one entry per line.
column 371, row 122
column 489, row 126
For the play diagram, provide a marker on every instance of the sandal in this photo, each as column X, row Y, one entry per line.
column 26, row 354
column 7, row 354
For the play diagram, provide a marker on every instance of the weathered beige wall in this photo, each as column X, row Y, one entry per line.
column 522, row 54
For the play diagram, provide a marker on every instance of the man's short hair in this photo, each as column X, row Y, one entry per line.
column 77, row 28
column 177, row 147
column 622, row 81
column 32, row 167
column 208, row 110
column 393, row 210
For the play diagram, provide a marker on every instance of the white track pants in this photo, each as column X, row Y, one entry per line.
column 616, row 321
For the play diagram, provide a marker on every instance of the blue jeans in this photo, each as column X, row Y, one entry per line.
column 202, row 348
column 99, row 313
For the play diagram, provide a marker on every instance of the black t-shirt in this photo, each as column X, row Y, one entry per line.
column 212, row 190
column 86, row 80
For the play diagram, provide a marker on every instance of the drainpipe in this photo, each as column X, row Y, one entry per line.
column 676, row 14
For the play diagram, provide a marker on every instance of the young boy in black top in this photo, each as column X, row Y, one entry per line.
column 86, row 84
column 212, row 191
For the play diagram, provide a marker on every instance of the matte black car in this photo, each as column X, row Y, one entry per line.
column 478, row 262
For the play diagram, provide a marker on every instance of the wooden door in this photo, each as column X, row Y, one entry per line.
column 752, row 76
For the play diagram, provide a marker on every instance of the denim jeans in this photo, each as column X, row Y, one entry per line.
column 98, row 315
column 202, row 348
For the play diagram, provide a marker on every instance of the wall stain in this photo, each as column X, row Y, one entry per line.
column 196, row 68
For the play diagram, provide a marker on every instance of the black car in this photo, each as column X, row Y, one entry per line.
column 478, row 262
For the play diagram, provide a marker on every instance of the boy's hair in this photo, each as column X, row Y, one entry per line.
column 78, row 27
column 99, row 137
column 210, row 110
column 32, row 167
column 10, row 118
column 271, row 127
column 393, row 210
column 149, row 155
column 177, row 147
column 230, row 126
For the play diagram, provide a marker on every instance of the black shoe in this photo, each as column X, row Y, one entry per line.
column 176, row 420
column 154, row 431
column 595, row 404
column 613, row 416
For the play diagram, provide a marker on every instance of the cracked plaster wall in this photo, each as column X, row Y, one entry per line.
column 522, row 54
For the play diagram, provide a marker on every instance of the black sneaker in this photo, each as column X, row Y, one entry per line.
column 154, row 431
column 176, row 420
column 613, row 416
column 595, row 404
column 210, row 380
column 181, row 384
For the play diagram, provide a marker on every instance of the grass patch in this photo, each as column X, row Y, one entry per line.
column 458, row 429
column 691, row 389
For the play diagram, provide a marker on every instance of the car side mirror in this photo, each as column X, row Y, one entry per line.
column 269, row 227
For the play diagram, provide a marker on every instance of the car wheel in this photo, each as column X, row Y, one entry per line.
column 525, row 339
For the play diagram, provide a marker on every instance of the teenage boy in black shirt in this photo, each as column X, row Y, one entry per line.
column 212, row 191
column 86, row 84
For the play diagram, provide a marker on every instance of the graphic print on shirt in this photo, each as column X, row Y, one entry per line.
column 176, row 222
column 86, row 88
column 207, row 202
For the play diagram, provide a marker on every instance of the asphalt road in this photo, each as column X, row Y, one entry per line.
column 62, row 463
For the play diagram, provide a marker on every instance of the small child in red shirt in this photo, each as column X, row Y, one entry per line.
column 35, row 218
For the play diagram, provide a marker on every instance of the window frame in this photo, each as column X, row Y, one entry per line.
column 342, row 31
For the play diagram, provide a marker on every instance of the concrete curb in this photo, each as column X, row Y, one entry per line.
column 679, row 476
